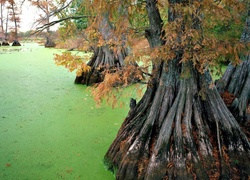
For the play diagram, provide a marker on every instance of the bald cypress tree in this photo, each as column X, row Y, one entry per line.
column 108, row 54
column 234, row 85
column 181, row 128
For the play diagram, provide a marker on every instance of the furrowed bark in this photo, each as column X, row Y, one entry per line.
column 103, row 59
column 198, row 137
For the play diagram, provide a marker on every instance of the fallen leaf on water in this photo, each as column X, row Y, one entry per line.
column 69, row 170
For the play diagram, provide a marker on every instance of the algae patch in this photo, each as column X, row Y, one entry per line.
column 49, row 127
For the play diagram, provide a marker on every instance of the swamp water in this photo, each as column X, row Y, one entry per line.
column 50, row 127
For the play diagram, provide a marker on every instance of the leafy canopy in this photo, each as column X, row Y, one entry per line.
column 216, row 40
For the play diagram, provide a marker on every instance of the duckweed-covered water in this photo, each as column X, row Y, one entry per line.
column 50, row 127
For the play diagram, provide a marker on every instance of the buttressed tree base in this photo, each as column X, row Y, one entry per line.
column 181, row 128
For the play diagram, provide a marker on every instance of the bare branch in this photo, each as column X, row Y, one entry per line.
column 41, row 28
column 60, row 9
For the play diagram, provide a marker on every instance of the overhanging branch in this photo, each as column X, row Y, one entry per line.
column 41, row 28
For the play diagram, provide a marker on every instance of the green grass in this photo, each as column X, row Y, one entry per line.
column 50, row 128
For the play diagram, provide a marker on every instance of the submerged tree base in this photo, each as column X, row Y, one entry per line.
column 16, row 43
column 5, row 43
column 104, row 61
column 181, row 129
column 49, row 43
column 89, row 78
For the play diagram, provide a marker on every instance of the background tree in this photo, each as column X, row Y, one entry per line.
column 235, row 82
column 107, row 53
column 46, row 7
column 4, row 22
column 75, row 20
column 105, row 39
column 14, row 17
column 2, row 4
column 181, row 128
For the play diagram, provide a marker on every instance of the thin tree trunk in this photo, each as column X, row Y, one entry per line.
column 6, row 26
column 181, row 128
column 49, row 40
column 1, row 20
column 15, row 20
column 15, row 42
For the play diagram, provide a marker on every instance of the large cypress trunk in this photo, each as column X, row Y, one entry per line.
column 181, row 128
column 234, row 85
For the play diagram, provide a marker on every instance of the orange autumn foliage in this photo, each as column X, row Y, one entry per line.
column 114, row 82
column 71, row 62
column 202, row 46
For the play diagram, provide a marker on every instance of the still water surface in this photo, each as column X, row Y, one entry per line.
column 49, row 127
